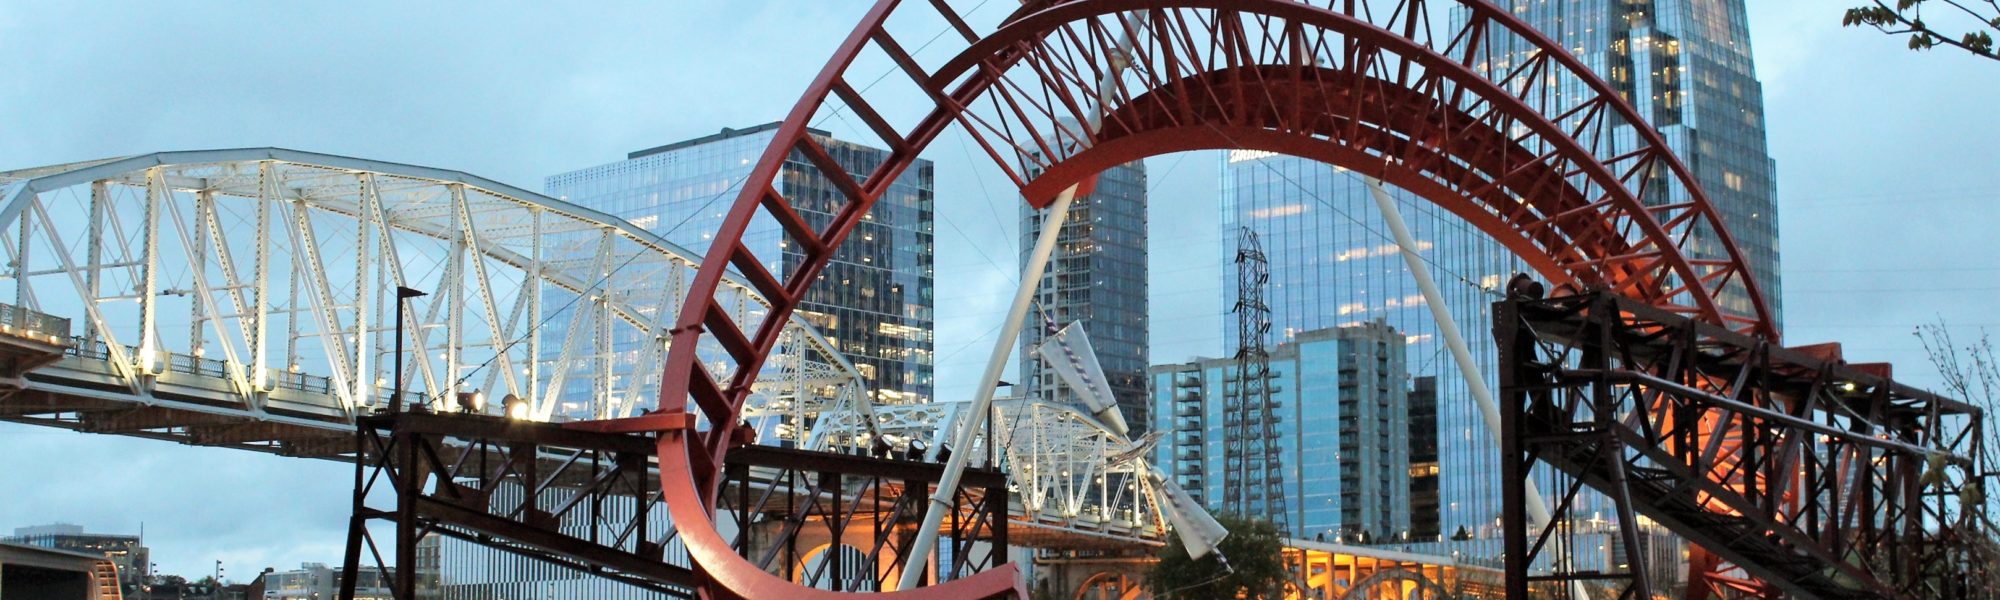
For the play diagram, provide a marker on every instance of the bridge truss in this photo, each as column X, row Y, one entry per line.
column 244, row 298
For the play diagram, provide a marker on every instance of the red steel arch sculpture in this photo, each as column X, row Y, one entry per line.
column 1455, row 100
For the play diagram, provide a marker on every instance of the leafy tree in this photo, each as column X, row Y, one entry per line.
column 1255, row 569
column 1978, row 21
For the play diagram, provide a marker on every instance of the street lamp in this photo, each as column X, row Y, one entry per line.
column 403, row 294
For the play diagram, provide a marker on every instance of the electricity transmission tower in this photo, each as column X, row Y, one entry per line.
column 1258, row 476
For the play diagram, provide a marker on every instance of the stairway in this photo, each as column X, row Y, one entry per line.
column 104, row 577
column 1658, row 493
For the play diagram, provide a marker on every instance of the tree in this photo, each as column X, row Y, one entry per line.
column 1975, row 23
column 1256, row 565
column 1972, row 373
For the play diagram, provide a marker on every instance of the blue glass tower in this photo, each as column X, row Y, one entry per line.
column 1685, row 64
column 873, row 301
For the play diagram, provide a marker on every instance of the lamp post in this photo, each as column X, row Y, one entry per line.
column 403, row 294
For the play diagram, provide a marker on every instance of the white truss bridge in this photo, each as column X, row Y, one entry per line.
column 245, row 299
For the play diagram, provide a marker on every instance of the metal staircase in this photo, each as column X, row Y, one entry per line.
column 104, row 579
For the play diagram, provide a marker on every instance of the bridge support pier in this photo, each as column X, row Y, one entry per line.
column 590, row 502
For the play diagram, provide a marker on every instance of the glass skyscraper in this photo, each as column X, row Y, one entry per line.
column 1340, row 434
column 873, row 300
column 1686, row 66
column 1334, row 264
column 1096, row 276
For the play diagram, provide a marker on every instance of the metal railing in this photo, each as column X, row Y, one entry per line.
column 189, row 364
column 39, row 326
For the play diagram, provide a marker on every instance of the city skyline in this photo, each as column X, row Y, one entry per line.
column 1836, row 179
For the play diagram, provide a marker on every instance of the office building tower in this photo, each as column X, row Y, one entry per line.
column 873, row 300
column 1341, row 397
column 1334, row 264
column 1096, row 277
column 128, row 552
column 1686, row 67
column 1423, row 459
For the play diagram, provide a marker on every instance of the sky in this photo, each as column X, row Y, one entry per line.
column 1885, row 163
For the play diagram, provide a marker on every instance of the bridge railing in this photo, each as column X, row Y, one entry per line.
column 176, row 362
column 22, row 322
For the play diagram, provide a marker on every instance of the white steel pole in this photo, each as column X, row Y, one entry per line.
column 927, row 534
column 1031, row 277
column 1538, row 509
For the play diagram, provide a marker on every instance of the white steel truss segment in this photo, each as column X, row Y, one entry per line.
column 24, row 295
column 262, row 244
column 362, row 340
column 454, row 295
column 204, row 298
column 580, row 318
column 306, row 257
column 502, row 330
column 394, row 267
column 121, row 363
column 149, row 276
column 260, row 358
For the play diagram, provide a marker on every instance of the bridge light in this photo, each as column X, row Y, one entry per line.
column 514, row 406
column 472, row 402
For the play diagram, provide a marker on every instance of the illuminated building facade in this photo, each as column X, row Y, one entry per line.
column 873, row 301
column 1686, row 66
column 1096, row 276
column 127, row 551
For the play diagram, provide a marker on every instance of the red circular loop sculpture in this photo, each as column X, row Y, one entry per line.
column 1455, row 100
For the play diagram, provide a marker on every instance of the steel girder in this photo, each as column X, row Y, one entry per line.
column 1814, row 477
column 1570, row 180
column 587, row 501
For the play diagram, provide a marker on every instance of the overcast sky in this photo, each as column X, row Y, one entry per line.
column 1885, row 163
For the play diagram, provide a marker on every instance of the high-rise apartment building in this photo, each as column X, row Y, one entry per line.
column 1096, row 276
column 1340, row 396
column 873, row 300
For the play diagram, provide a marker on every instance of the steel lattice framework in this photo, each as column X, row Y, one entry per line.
column 244, row 298
column 1811, row 476
column 1574, row 182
